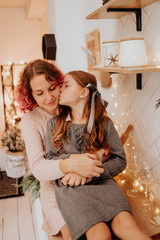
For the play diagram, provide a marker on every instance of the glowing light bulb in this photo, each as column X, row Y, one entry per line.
column 141, row 188
column 157, row 210
column 15, row 103
column 136, row 182
column 13, row 121
column 116, row 105
column 15, row 117
column 22, row 62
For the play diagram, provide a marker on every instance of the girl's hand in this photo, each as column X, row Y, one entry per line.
column 74, row 179
column 103, row 154
column 85, row 164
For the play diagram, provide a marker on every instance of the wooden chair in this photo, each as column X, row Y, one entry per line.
column 126, row 133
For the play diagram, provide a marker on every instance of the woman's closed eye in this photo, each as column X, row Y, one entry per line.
column 39, row 93
column 52, row 87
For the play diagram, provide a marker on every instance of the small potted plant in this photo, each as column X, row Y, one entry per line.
column 13, row 141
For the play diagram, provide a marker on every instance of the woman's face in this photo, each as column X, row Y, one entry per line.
column 45, row 93
column 70, row 92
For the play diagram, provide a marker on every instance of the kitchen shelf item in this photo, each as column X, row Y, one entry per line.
column 136, row 70
column 110, row 53
column 132, row 53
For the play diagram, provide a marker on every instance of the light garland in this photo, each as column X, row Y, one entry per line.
column 136, row 183
column 9, row 76
column 141, row 188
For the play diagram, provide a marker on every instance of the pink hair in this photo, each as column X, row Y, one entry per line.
column 23, row 92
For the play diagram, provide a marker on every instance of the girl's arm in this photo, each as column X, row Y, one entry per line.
column 117, row 160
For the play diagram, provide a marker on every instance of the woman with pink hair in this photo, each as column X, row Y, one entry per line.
column 37, row 93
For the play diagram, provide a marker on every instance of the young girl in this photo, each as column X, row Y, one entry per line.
column 83, row 126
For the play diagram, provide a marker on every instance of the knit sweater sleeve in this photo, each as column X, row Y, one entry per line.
column 117, row 160
column 43, row 169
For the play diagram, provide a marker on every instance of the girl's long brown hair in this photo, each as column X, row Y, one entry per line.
column 97, row 138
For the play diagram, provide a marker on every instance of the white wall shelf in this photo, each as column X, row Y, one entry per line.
column 138, row 71
column 102, row 13
column 117, row 9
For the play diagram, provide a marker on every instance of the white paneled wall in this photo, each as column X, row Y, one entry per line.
column 138, row 106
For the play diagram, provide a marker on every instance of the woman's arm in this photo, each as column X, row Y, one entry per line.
column 43, row 169
column 85, row 164
column 34, row 137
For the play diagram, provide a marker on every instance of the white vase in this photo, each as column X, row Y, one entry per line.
column 2, row 159
column 15, row 166
column 132, row 53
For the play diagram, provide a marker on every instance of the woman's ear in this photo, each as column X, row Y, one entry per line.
column 84, row 93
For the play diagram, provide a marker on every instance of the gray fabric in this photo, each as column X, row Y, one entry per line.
column 101, row 199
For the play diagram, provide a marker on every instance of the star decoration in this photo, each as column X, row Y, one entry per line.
column 113, row 60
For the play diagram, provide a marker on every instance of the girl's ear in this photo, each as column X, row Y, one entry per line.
column 84, row 93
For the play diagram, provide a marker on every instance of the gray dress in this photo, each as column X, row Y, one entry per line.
column 99, row 200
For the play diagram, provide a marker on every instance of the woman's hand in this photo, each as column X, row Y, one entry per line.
column 85, row 164
column 74, row 179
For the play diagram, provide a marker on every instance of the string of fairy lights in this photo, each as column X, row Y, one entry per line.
column 138, row 187
column 9, row 78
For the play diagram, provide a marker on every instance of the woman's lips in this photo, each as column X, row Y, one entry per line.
column 50, row 103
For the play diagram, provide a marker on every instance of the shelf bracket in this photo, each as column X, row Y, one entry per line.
column 137, row 11
column 139, row 81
